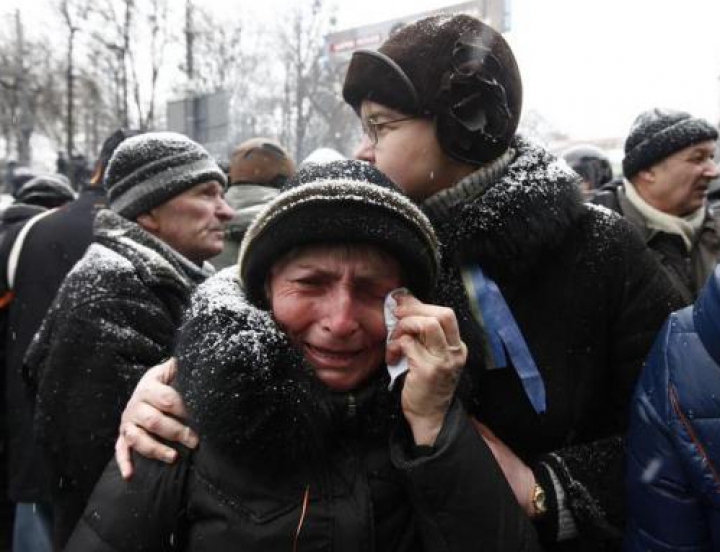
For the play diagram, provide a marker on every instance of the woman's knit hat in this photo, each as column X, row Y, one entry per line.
column 455, row 69
column 658, row 133
column 343, row 202
column 149, row 169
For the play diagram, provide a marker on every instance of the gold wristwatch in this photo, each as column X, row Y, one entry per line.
column 538, row 502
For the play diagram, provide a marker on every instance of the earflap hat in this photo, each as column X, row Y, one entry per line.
column 454, row 69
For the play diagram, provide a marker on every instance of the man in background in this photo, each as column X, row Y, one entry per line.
column 591, row 164
column 668, row 167
column 117, row 312
column 258, row 169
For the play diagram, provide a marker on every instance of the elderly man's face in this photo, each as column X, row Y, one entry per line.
column 191, row 222
column 678, row 184
column 330, row 302
column 406, row 150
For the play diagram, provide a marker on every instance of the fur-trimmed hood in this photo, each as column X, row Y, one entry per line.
column 514, row 220
column 250, row 393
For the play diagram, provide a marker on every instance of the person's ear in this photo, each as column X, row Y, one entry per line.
column 147, row 221
column 647, row 175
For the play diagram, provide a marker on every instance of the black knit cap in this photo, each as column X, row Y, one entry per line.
column 343, row 202
column 455, row 69
column 658, row 133
column 149, row 169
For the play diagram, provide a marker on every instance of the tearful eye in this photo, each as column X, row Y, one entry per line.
column 308, row 282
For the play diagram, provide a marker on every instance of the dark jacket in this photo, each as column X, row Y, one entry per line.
column 12, row 220
column 114, row 317
column 673, row 477
column 588, row 297
column 687, row 270
column 51, row 248
column 283, row 460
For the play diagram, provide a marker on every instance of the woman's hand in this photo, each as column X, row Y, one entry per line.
column 429, row 337
column 151, row 413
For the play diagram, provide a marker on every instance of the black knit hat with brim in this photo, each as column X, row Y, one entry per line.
column 659, row 133
column 344, row 202
column 149, row 169
column 453, row 69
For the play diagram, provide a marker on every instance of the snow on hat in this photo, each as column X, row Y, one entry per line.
column 454, row 69
column 341, row 202
column 47, row 190
column 658, row 133
column 149, row 169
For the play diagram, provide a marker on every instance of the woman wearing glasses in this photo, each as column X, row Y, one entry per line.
column 569, row 298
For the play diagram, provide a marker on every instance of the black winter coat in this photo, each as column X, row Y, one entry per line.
column 12, row 220
column 285, row 463
column 114, row 317
column 588, row 297
column 51, row 248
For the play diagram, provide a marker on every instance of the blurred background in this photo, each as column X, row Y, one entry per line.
column 221, row 71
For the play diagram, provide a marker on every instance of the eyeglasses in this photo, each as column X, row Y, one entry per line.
column 370, row 127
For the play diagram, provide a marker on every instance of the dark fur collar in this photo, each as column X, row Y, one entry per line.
column 517, row 219
column 250, row 393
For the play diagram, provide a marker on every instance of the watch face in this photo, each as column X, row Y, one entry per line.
column 539, row 500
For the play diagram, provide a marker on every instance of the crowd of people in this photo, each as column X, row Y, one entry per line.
column 440, row 344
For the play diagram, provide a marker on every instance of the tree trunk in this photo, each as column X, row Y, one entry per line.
column 24, row 124
column 70, row 138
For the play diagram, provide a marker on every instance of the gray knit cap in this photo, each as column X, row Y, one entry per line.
column 342, row 202
column 46, row 190
column 658, row 133
column 149, row 169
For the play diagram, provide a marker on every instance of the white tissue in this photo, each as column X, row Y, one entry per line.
column 398, row 369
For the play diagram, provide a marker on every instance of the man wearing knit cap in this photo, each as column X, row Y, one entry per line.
column 117, row 311
column 557, row 301
column 667, row 169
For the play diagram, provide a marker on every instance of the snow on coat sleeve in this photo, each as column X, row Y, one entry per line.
column 88, row 356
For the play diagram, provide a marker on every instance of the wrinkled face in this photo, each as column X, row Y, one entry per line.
column 408, row 152
column 678, row 184
column 329, row 300
column 191, row 222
